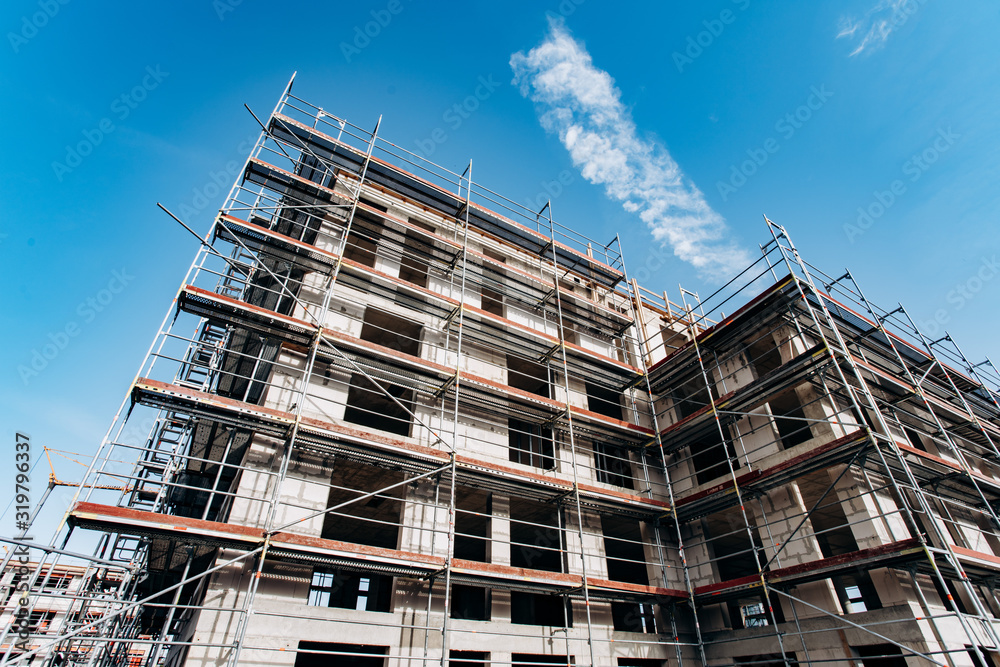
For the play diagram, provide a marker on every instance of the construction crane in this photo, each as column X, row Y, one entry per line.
column 55, row 481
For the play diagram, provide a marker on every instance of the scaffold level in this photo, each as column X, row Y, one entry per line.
column 395, row 418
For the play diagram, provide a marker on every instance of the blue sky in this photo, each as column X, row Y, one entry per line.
column 838, row 107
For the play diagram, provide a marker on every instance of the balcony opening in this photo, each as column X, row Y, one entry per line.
column 671, row 340
column 572, row 286
column 373, row 204
column 690, row 398
column 373, row 521
column 472, row 524
column 470, row 603
column 951, row 590
column 604, row 401
column 829, row 523
column 492, row 301
column 732, row 547
column 570, row 331
column 417, row 251
column 754, row 615
column 767, row 660
column 494, row 255
column 763, row 355
column 641, row 662
column 789, row 419
column 865, row 417
column 535, row 539
column 537, row 609
column 395, row 333
column 468, row 658
column 361, row 249
column 364, row 237
column 350, row 590
column 329, row 654
column 753, row 612
column 880, row 655
column 856, row 592
column 613, row 465
column 530, row 444
column 528, row 376
column 367, row 405
column 633, row 617
column 914, row 438
column 492, row 282
column 977, row 656
column 711, row 458
column 541, row 659
column 626, row 557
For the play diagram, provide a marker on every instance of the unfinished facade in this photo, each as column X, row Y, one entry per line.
column 393, row 418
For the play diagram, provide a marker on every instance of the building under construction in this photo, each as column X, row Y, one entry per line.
column 393, row 418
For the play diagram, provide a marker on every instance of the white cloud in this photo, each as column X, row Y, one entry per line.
column 873, row 29
column 581, row 104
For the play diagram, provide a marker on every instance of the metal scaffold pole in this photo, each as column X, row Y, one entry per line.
column 635, row 305
column 453, row 475
column 572, row 436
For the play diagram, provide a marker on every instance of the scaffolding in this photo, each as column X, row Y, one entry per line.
column 395, row 418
